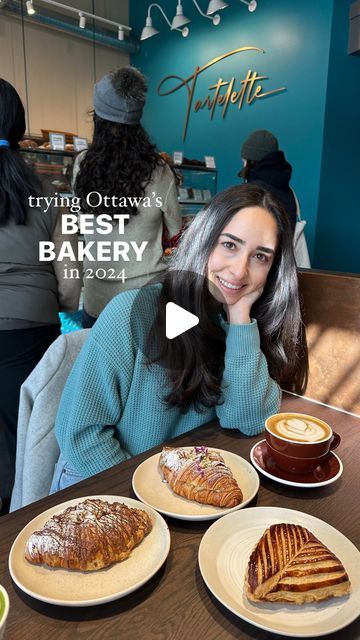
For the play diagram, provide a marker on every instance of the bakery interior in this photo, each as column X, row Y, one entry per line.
column 307, row 55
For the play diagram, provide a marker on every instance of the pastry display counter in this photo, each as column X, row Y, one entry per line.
column 197, row 186
column 54, row 168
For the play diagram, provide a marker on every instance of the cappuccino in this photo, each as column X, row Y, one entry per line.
column 298, row 428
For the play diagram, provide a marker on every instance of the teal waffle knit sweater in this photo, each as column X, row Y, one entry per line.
column 110, row 384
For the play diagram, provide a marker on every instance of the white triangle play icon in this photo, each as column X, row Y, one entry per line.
column 178, row 320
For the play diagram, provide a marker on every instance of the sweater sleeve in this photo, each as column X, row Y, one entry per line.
column 69, row 288
column 90, row 407
column 249, row 394
column 171, row 207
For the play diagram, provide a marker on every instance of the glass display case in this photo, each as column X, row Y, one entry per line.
column 53, row 167
column 197, row 185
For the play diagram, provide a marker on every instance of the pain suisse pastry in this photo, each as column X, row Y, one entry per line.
column 88, row 536
column 200, row 474
column 290, row 565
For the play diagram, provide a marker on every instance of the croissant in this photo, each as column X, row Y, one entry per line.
column 201, row 475
column 89, row 536
column 290, row 565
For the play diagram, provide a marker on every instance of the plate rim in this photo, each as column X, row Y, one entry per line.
column 205, row 517
column 103, row 599
column 290, row 483
column 311, row 634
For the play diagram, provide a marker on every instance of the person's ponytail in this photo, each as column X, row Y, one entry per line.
column 17, row 180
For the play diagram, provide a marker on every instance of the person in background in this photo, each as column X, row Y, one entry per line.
column 31, row 292
column 122, row 162
column 131, row 388
column 265, row 164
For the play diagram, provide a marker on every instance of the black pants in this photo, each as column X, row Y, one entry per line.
column 87, row 320
column 20, row 351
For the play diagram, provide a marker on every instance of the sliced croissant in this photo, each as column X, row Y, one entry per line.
column 88, row 536
column 290, row 565
column 201, row 475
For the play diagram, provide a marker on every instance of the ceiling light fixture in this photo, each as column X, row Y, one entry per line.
column 82, row 21
column 82, row 16
column 250, row 5
column 216, row 5
column 30, row 8
column 215, row 19
column 149, row 31
column 179, row 20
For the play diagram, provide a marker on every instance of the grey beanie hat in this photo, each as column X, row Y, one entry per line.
column 120, row 96
column 258, row 145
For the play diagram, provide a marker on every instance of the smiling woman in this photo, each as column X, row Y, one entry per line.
column 235, row 270
column 242, row 258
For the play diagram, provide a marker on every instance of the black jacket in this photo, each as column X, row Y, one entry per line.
column 274, row 173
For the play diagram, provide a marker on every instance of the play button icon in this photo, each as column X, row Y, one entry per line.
column 168, row 318
column 178, row 320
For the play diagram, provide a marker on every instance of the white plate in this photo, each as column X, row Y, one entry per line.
column 223, row 558
column 84, row 589
column 149, row 487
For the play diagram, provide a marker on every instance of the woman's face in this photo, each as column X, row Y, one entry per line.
column 243, row 255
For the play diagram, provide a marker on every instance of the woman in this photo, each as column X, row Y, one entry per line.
column 265, row 164
column 124, row 166
column 29, row 289
column 235, row 269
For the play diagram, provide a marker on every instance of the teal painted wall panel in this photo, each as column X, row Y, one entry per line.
column 296, row 39
column 338, row 228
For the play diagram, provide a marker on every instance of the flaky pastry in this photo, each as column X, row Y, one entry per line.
column 200, row 474
column 289, row 564
column 88, row 536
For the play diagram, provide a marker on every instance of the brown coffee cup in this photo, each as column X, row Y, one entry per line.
column 298, row 442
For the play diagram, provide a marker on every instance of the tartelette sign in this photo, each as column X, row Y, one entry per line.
column 234, row 91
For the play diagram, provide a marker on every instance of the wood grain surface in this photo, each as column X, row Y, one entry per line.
column 175, row 604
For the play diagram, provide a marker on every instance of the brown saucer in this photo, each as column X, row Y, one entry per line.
column 326, row 473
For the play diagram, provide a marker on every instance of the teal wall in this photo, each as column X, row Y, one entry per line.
column 295, row 35
column 338, row 226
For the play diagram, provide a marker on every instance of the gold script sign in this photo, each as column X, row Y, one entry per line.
column 251, row 89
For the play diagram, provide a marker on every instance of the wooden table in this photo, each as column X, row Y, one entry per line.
column 175, row 604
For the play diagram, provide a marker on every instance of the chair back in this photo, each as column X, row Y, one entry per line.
column 37, row 449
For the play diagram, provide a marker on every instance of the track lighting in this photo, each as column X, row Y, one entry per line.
column 30, row 8
column 149, row 31
column 121, row 28
column 250, row 5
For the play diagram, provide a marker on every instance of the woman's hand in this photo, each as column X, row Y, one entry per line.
column 239, row 312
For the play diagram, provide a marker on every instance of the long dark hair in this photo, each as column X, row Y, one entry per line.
column 119, row 162
column 195, row 359
column 17, row 180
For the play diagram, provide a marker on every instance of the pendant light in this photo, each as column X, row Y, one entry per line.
column 215, row 5
column 149, row 31
column 179, row 20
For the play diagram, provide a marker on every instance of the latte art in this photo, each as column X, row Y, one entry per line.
column 300, row 429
